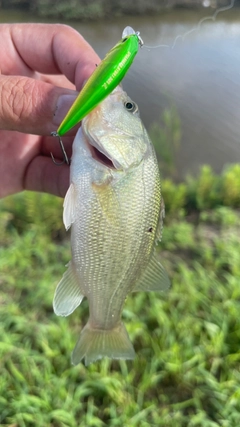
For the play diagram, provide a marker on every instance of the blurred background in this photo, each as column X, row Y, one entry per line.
column 187, row 369
column 192, row 85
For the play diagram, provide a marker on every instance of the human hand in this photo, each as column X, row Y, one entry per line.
column 40, row 67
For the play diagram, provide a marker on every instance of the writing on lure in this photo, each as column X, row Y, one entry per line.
column 101, row 83
column 105, row 78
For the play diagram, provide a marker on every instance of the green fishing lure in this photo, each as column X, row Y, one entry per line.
column 104, row 79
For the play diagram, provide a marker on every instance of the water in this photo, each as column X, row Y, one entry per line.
column 200, row 75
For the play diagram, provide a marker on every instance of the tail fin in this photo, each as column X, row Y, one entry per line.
column 93, row 344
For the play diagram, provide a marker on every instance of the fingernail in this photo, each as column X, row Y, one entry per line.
column 63, row 104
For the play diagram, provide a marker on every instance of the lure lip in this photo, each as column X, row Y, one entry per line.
column 129, row 31
column 140, row 40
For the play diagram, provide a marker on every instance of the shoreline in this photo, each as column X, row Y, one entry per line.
column 103, row 9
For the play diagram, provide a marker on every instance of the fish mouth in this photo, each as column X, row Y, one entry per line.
column 98, row 153
column 100, row 157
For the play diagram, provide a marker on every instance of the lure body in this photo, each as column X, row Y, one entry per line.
column 104, row 79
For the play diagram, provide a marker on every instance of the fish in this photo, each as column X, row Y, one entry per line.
column 115, row 210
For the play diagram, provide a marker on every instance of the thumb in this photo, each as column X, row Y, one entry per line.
column 32, row 106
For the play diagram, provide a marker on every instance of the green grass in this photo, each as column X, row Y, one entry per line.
column 187, row 369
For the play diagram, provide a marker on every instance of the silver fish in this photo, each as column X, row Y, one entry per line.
column 115, row 210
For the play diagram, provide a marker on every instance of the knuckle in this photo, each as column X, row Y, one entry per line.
column 64, row 28
column 16, row 98
column 20, row 98
column 64, row 31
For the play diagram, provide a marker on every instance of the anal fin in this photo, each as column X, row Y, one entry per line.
column 68, row 294
column 155, row 277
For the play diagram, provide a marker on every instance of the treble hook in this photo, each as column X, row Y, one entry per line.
column 65, row 157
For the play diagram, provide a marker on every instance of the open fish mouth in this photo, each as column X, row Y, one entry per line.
column 99, row 153
column 96, row 150
column 100, row 157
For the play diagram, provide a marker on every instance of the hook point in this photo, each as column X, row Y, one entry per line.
column 65, row 157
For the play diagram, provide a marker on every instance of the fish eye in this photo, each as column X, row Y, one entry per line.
column 130, row 106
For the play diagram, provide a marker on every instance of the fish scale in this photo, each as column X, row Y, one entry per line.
column 114, row 214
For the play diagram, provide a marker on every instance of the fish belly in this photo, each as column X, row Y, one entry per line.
column 111, row 247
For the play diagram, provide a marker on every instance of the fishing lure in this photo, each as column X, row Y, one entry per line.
column 104, row 79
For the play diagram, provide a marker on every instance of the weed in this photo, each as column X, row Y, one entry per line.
column 186, row 372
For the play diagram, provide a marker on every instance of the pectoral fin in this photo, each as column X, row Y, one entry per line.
column 68, row 295
column 69, row 207
column 154, row 279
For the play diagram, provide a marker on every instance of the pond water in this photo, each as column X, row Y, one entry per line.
column 200, row 75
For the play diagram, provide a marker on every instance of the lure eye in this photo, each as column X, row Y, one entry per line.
column 130, row 106
column 124, row 40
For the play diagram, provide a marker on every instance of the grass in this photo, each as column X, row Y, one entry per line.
column 187, row 369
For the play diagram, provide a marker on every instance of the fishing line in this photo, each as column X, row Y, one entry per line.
column 197, row 28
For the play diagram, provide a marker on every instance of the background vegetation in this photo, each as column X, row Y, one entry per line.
column 95, row 9
column 187, row 369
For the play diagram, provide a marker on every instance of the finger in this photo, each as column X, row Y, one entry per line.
column 32, row 106
column 46, row 48
column 57, row 80
column 29, row 105
column 42, row 175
